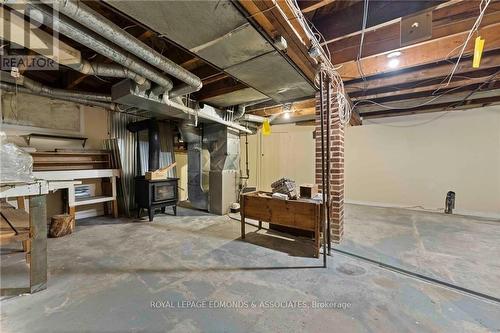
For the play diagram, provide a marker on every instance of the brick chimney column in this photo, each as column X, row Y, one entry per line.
column 336, row 150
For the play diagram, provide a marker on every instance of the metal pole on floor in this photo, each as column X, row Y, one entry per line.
column 328, row 155
column 321, row 113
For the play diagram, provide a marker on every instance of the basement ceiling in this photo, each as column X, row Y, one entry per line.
column 218, row 33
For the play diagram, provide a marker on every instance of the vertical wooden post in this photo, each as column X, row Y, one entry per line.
column 114, row 203
column 20, row 203
column 38, row 234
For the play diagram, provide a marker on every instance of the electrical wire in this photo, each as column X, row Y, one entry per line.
column 339, row 96
column 447, row 109
column 482, row 8
column 360, row 50
column 474, row 28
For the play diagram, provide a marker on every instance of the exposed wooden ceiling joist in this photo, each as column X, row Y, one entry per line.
column 469, row 104
column 446, row 21
column 423, row 53
column 307, row 6
column 219, row 87
column 423, row 103
column 350, row 19
column 272, row 17
column 399, row 93
column 420, row 74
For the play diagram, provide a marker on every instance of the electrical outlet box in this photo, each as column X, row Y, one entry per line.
column 416, row 28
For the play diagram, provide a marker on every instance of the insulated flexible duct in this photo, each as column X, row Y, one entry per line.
column 102, row 46
column 86, row 16
column 40, row 88
column 110, row 70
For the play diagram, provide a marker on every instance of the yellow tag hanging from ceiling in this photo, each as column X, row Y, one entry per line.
column 266, row 127
column 478, row 51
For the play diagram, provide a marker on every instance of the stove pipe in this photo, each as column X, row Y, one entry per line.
column 151, row 125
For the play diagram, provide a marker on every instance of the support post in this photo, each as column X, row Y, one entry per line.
column 322, row 121
column 38, row 233
column 334, row 147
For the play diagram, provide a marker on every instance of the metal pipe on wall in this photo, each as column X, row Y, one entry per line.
column 328, row 198
column 322, row 118
column 86, row 16
column 97, row 43
column 151, row 125
column 38, row 87
column 4, row 86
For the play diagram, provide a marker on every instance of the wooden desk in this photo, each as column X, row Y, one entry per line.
column 301, row 214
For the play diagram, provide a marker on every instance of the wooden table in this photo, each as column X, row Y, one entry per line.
column 36, row 193
column 303, row 214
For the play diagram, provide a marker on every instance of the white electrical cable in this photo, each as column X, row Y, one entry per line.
column 474, row 28
column 339, row 94
column 344, row 107
column 448, row 78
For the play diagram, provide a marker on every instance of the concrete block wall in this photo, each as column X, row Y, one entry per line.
column 335, row 148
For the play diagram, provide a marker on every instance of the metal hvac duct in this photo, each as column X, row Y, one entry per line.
column 97, row 43
column 81, row 65
column 126, row 92
column 38, row 87
column 192, row 136
column 86, row 16
column 223, row 143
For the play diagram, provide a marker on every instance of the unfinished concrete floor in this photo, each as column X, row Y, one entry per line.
column 105, row 277
column 460, row 250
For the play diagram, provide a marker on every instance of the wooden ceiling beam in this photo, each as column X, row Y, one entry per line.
column 428, row 101
column 219, row 87
column 307, row 6
column 469, row 104
column 299, row 109
column 275, row 109
column 271, row 17
column 420, row 74
column 349, row 20
column 429, row 88
column 447, row 21
column 423, row 53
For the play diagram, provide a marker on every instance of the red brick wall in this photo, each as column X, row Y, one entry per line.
column 336, row 150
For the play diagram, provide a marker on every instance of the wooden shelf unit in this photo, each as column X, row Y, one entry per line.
column 74, row 175
column 71, row 160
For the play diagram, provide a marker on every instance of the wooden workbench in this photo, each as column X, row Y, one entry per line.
column 300, row 214
column 78, row 175
column 36, row 192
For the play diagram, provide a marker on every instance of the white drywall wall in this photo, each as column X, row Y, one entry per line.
column 400, row 161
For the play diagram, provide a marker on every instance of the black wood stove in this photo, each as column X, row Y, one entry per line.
column 153, row 194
